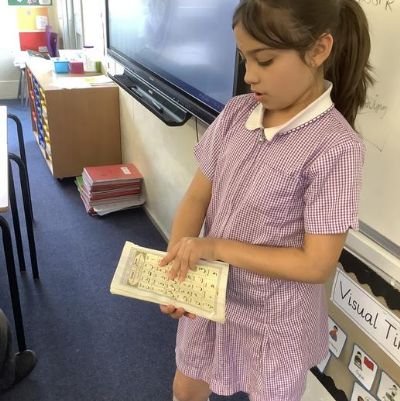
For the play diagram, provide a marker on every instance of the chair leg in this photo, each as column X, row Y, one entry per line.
column 15, row 218
column 28, row 217
column 20, row 83
column 12, row 280
column 26, row 91
column 22, row 153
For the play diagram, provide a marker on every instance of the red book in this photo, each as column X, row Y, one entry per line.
column 114, row 186
column 111, row 194
column 126, row 172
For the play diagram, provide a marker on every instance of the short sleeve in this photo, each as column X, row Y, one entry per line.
column 332, row 197
column 208, row 148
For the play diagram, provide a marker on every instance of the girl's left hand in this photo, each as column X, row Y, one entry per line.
column 185, row 254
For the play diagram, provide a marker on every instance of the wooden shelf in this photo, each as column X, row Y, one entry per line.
column 82, row 124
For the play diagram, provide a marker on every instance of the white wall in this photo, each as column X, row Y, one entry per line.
column 163, row 154
column 94, row 26
column 9, row 43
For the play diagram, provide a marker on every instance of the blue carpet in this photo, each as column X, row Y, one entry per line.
column 91, row 345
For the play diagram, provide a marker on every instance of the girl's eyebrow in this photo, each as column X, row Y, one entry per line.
column 256, row 50
column 259, row 49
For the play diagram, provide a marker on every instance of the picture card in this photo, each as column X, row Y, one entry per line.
column 337, row 338
column 322, row 365
column 363, row 367
column 360, row 394
column 388, row 390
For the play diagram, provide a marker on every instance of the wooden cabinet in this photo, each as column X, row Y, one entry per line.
column 74, row 126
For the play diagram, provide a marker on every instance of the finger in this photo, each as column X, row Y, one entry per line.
column 179, row 312
column 176, row 264
column 175, row 255
column 191, row 264
column 183, row 273
column 173, row 271
column 176, row 313
column 167, row 309
column 166, row 259
column 169, row 256
column 184, row 263
column 190, row 315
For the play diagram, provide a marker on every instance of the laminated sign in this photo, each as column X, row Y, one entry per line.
column 380, row 324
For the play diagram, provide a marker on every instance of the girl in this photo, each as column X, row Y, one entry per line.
column 277, row 187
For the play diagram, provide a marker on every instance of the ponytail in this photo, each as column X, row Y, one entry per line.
column 348, row 66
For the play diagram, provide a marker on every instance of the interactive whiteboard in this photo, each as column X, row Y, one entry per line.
column 379, row 125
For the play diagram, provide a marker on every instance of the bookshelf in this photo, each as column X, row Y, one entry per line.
column 75, row 124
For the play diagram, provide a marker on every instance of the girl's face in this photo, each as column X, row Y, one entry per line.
column 279, row 79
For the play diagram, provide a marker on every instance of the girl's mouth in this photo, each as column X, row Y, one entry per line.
column 258, row 96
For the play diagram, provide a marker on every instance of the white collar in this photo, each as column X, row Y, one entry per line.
column 314, row 109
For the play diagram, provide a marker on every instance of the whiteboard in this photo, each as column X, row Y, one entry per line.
column 379, row 124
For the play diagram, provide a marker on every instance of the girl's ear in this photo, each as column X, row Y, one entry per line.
column 321, row 50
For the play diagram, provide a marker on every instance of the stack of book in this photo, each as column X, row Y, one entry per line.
column 106, row 189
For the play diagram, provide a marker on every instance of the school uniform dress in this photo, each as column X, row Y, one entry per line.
column 269, row 187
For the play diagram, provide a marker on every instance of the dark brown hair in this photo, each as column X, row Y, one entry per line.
column 297, row 24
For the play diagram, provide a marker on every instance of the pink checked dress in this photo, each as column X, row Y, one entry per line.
column 270, row 187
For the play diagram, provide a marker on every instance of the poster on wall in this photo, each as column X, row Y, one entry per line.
column 32, row 19
column 388, row 389
column 29, row 2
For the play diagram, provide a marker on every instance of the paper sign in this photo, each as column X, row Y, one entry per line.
column 363, row 367
column 360, row 394
column 337, row 338
column 29, row 2
column 380, row 324
column 27, row 18
column 41, row 21
column 388, row 389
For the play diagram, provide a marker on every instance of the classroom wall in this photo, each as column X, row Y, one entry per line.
column 93, row 12
column 9, row 42
column 163, row 154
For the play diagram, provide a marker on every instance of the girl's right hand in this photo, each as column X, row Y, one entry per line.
column 176, row 313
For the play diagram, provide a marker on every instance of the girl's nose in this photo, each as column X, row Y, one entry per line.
column 250, row 77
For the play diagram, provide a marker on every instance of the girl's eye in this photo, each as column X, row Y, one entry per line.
column 265, row 63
